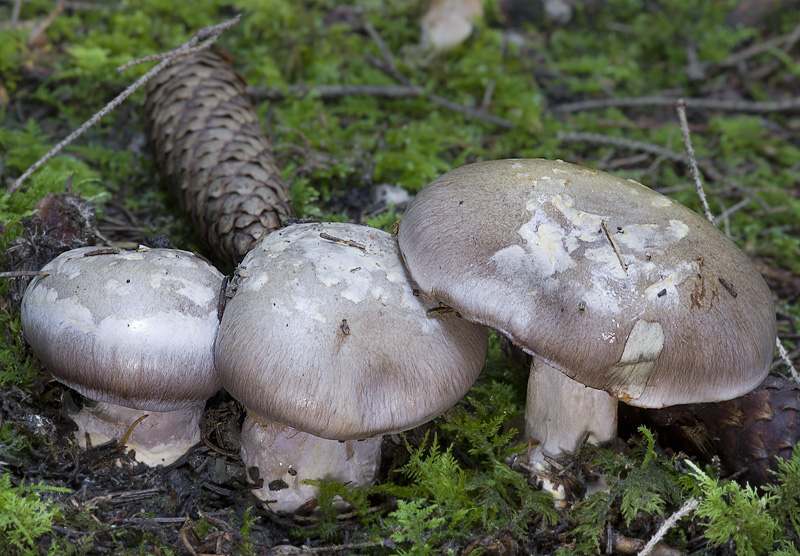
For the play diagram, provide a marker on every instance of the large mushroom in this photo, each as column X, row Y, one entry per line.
column 618, row 292
column 326, row 335
column 133, row 331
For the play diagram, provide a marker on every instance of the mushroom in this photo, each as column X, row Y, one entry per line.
column 618, row 292
column 134, row 332
column 325, row 342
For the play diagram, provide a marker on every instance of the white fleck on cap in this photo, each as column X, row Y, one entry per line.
column 325, row 334
column 134, row 328
column 619, row 287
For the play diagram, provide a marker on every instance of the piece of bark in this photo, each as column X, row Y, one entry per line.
column 62, row 222
column 213, row 153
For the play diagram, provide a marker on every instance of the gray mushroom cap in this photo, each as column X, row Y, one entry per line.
column 327, row 336
column 135, row 328
column 619, row 287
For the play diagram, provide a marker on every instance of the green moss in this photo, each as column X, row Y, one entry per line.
column 642, row 483
column 25, row 517
column 329, row 146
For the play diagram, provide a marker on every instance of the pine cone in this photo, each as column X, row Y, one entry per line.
column 210, row 147
column 746, row 432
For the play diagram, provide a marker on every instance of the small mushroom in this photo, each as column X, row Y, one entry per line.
column 617, row 291
column 325, row 336
column 134, row 332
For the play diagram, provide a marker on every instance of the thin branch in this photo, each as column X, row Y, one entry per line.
column 23, row 273
column 335, row 548
column 784, row 42
column 42, row 26
column 389, row 67
column 787, row 360
column 15, row 13
column 207, row 36
column 386, row 53
column 600, row 139
column 690, row 506
column 789, row 105
column 680, row 106
column 200, row 41
column 614, row 245
column 340, row 241
column 336, row 91
column 706, row 166
column 735, row 208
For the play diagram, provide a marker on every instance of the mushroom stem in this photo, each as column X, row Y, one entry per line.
column 562, row 413
column 160, row 438
column 285, row 457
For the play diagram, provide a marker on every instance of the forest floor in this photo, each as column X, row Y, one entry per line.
column 351, row 101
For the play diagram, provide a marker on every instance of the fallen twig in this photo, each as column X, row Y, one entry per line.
column 784, row 42
column 706, row 166
column 790, row 105
column 336, row 91
column 614, row 245
column 787, row 360
column 688, row 507
column 630, row 144
column 339, row 241
column 297, row 550
column 208, row 35
column 680, row 106
column 388, row 66
column 15, row 13
column 42, row 26
column 23, row 273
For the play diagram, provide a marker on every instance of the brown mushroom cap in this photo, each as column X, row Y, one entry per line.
column 619, row 287
column 135, row 328
column 327, row 336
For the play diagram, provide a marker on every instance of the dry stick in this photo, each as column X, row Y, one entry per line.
column 776, row 62
column 340, row 241
column 725, row 214
column 336, row 91
column 23, row 273
column 614, row 245
column 690, row 506
column 390, row 68
column 441, row 101
column 297, row 551
column 93, row 6
column 680, row 106
column 706, row 166
column 42, row 26
column 386, row 53
column 790, row 105
column 598, row 138
column 784, row 42
column 184, row 539
column 787, row 360
column 207, row 34
column 15, row 13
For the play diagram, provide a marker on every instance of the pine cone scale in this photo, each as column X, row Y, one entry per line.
column 214, row 155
